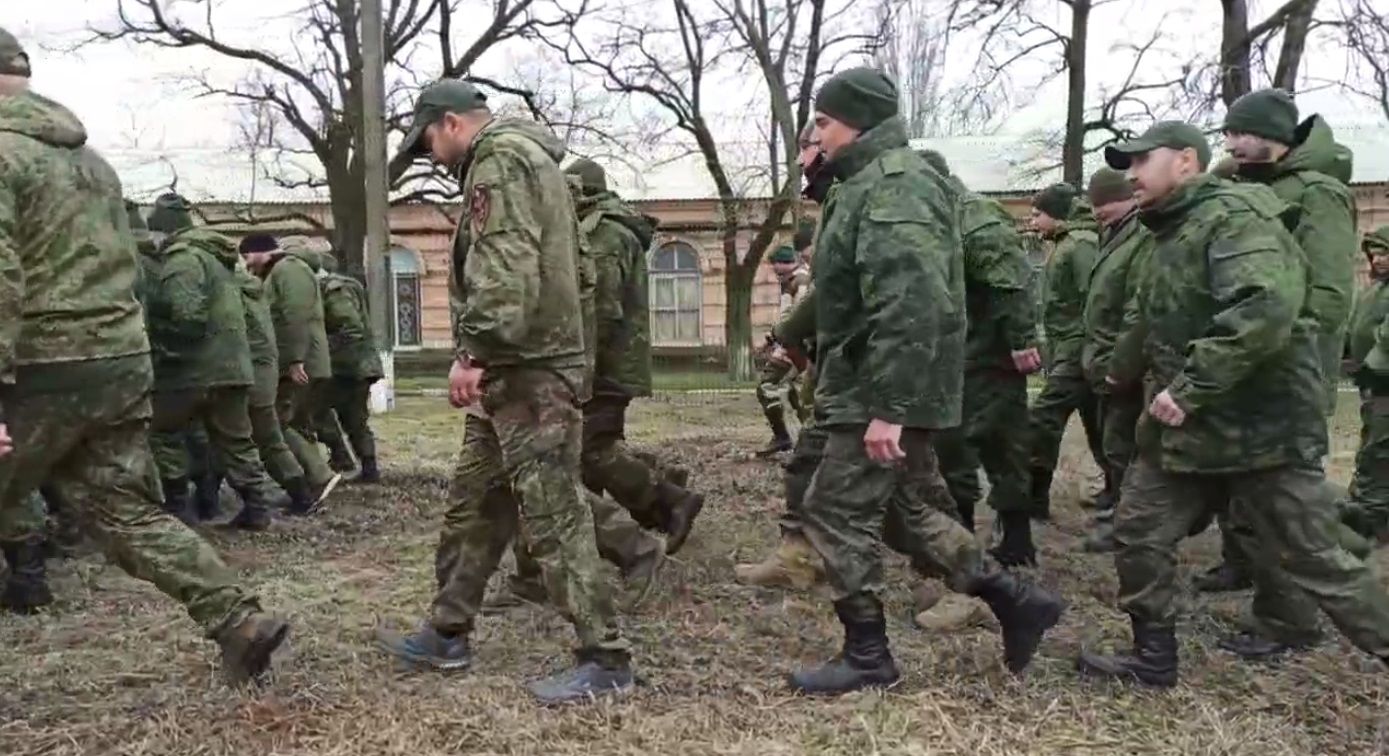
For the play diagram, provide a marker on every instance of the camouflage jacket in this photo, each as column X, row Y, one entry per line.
column 1113, row 287
column 889, row 281
column 1066, row 281
column 514, row 282
column 1369, row 337
column 296, row 307
column 67, row 259
column 197, row 325
column 618, row 238
column 999, row 306
column 1225, row 331
column 347, row 320
column 260, row 324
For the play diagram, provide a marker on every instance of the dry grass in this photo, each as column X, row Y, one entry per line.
column 116, row 669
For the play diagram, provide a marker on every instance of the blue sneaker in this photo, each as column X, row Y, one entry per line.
column 586, row 682
column 427, row 647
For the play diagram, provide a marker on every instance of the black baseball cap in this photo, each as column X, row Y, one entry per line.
column 1176, row 135
column 444, row 96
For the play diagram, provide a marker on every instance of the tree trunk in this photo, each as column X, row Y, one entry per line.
column 1073, row 151
column 1295, row 32
column 737, row 330
column 1234, row 51
column 349, row 208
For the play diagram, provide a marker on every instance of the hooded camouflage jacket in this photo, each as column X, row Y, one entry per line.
column 67, row 259
column 1226, row 333
column 260, row 325
column 197, row 325
column 889, row 289
column 618, row 238
column 514, row 281
column 1001, row 314
column 1114, row 283
column 1065, row 286
column 296, row 307
column 1369, row 326
column 347, row 321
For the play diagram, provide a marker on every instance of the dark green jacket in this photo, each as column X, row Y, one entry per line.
column 1113, row 288
column 618, row 238
column 1001, row 315
column 197, row 325
column 1368, row 341
column 889, row 289
column 347, row 320
column 260, row 325
column 1065, row 285
column 1225, row 331
column 296, row 306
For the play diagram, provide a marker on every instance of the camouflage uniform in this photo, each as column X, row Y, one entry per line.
column 202, row 362
column 995, row 394
column 1254, row 432
column 296, row 308
column 777, row 384
column 75, row 374
column 515, row 294
column 1065, row 286
column 1368, row 508
column 356, row 366
column 279, row 461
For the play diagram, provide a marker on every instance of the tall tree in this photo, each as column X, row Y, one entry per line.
column 1365, row 30
column 910, row 47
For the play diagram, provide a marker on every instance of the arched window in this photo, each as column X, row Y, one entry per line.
column 676, row 295
column 405, row 291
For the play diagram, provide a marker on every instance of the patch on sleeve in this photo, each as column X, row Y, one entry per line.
column 480, row 207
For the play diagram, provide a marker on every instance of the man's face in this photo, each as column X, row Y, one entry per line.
column 1042, row 223
column 1112, row 212
column 783, row 269
column 834, row 135
column 1156, row 174
column 256, row 261
column 1248, row 148
column 809, row 151
column 446, row 140
column 1379, row 262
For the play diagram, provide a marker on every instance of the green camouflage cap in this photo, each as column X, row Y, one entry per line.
column 590, row 174
column 1175, row 135
column 13, row 60
column 437, row 99
column 1108, row 185
column 1377, row 241
column 171, row 214
column 859, row 98
column 1055, row 200
column 1269, row 113
column 783, row 254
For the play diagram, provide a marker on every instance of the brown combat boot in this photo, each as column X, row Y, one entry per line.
column 248, row 645
column 794, row 564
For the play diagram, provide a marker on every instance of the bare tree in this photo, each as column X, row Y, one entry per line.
column 312, row 85
column 911, row 47
column 1366, row 35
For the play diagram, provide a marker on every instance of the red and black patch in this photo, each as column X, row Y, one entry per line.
column 480, row 207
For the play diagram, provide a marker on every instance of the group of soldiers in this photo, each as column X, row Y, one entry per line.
column 1185, row 327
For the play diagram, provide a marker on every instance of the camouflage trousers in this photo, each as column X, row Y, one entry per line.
column 82, row 429
column 346, row 402
column 1119, row 413
column 296, row 406
column 518, row 477
column 223, row 412
column 1299, row 553
column 778, row 385
column 269, row 438
column 1051, row 410
column 994, row 401
column 608, row 466
column 1369, row 489
column 620, row 539
column 855, row 505
column 805, row 459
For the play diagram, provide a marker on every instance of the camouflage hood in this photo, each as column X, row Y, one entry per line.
column 1082, row 217
column 209, row 241
column 609, row 205
column 1316, row 150
column 538, row 133
column 42, row 119
column 1377, row 239
column 301, row 247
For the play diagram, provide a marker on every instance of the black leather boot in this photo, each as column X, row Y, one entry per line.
column 370, row 473
column 26, row 587
column 1014, row 547
column 680, row 510
column 865, row 662
column 177, row 501
column 1041, row 493
column 207, row 496
column 1153, row 661
column 1025, row 613
column 340, row 459
column 301, row 502
column 1223, row 578
column 781, row 437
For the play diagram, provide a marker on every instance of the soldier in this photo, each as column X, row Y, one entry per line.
column 776, row 386
column 890, row 331
column 1367, row 511
column 290, row 273
column 356, row 366
column 202, row 363
column 1309, row 171
column 1124, row 249
column 519, row 370
column 1227, row 343
column 75, row 370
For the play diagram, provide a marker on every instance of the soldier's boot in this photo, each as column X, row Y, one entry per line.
column 781, row 437
column 177, row 502
column 642, row 571
column 1152, row 662
column 955, row 612
column 26, row 587
column 676, row 476
column 370, row 473
column 591, row 678
column 681, row 508
column 339, row 458
column 1108, row 497
column 248, row 646
column 207, row 496
column 427, row 647
column 1223, row 578
column 254, row 514
column 1101, row 539
column 864, row 662
column 517, row 591
column 301, row 501
column 1041, row 493
column 1014, row 546
column 318, row 494
column 1025, row 613
column 794, row 564
column 1252, row 646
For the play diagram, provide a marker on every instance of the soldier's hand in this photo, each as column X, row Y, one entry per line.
column 465, row 385
column 6, row 443
column 298, row 375
column 883, row 442
column 1027, row 361
column 1165, row 410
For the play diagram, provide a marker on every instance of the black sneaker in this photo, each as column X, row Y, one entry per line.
column 1254, row 647
column 586, row 682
